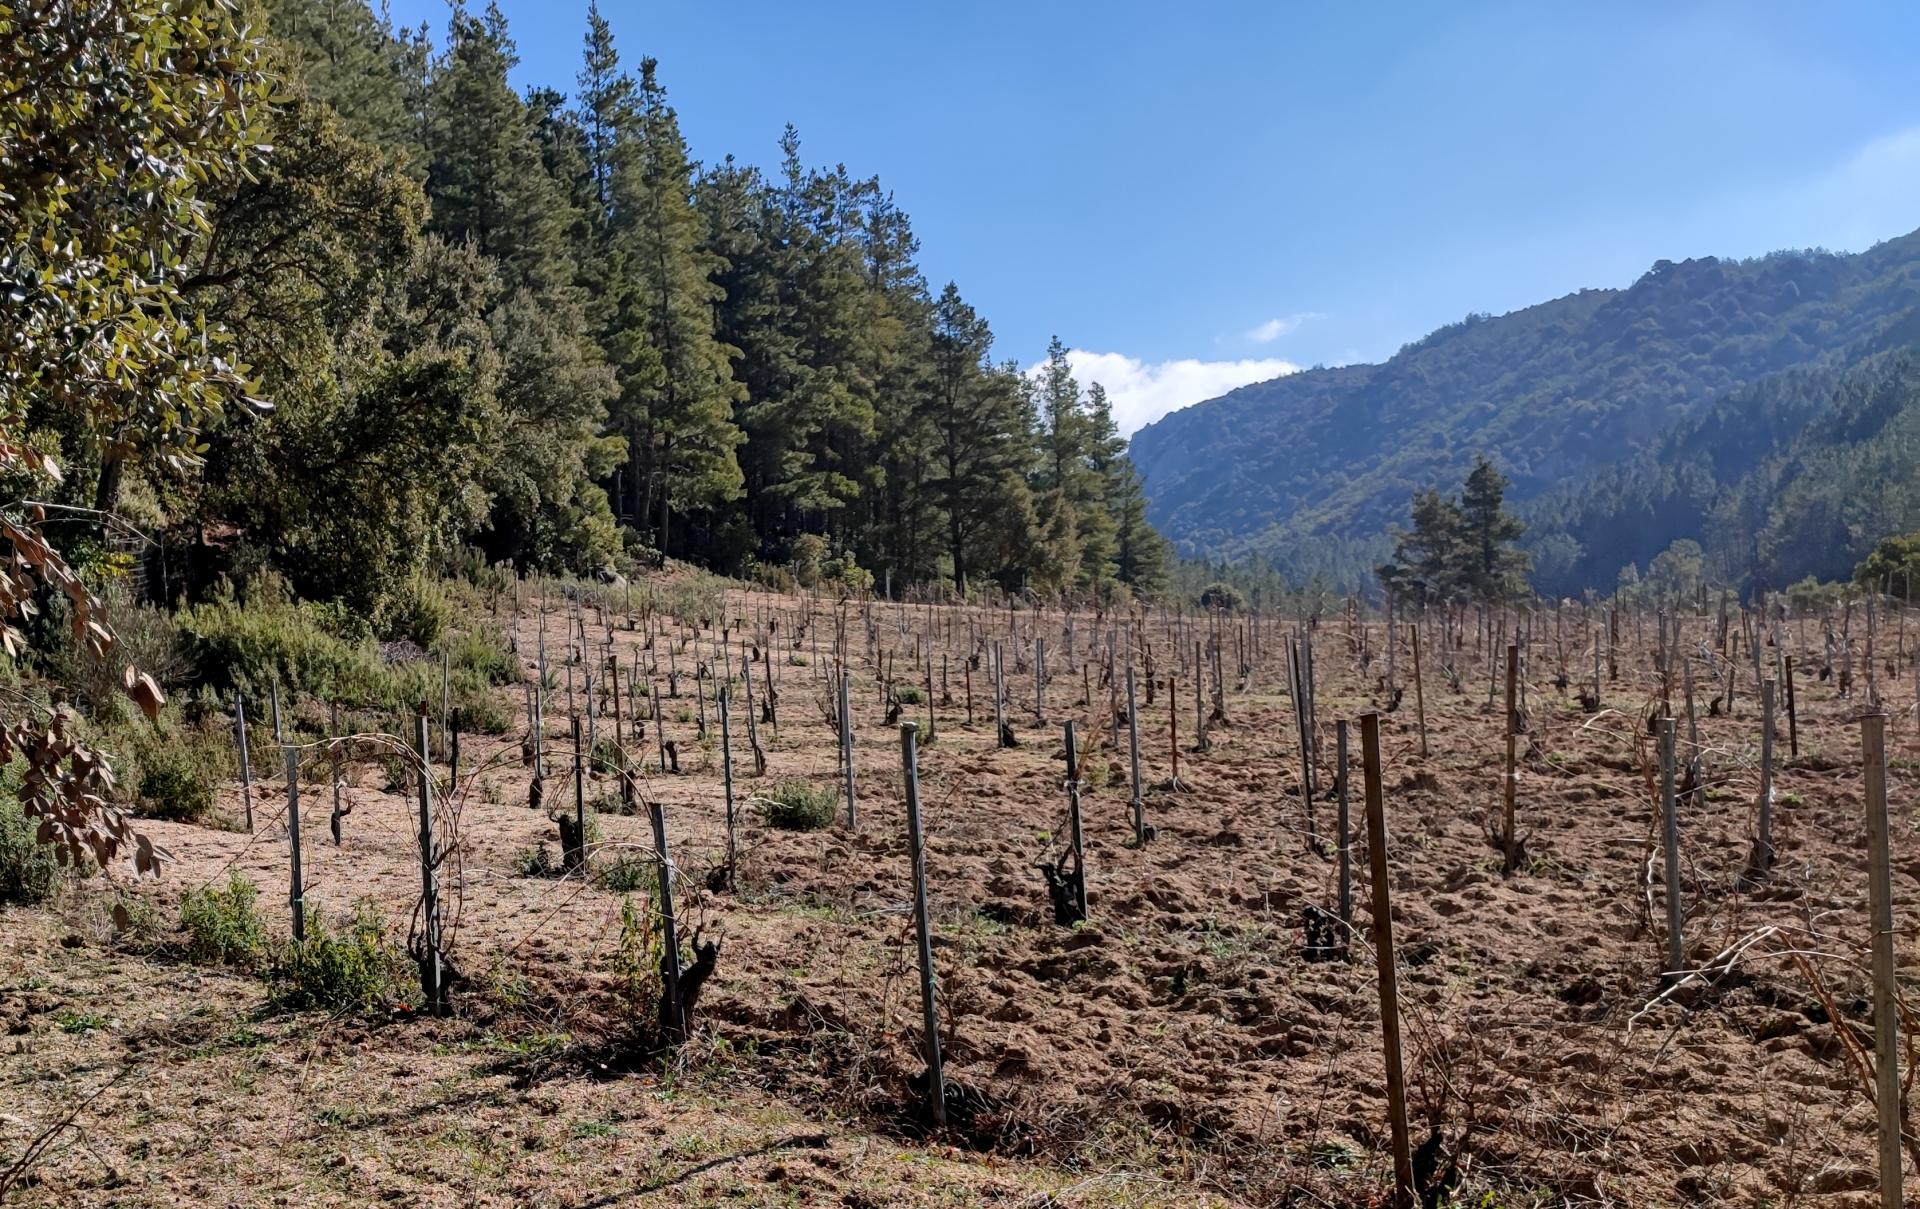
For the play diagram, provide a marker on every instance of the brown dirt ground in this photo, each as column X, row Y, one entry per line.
column 1176, row 1049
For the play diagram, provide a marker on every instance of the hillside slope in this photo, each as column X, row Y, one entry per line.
column 1313, row 469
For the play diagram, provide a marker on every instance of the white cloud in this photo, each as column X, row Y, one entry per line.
column 1143, row 391
column 1273, row 329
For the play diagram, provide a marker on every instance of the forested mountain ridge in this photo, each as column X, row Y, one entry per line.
column 1311, row 470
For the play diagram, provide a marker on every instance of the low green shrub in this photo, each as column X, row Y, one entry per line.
column 357, row 969
column 172, row 787
column 627, row 874
column 907, row 694
column 178, row 768
column 252, row 646
column 221, row 924
column 484, row 654
column 606, row 803
column 28, row 869
column 416, row 611
column 536, row 861
column 137, row 927
column 794, row 805
column 481, row 713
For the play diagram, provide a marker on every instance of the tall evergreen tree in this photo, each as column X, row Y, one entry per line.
column 676, row 384
column 978, row 422
column 1497, row 569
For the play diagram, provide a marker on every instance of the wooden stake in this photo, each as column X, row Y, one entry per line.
column 916, row 850
column 1886, row 1015
column 1762, row 859
column 1344, row 834
column 676, row 1016
column 726, row 772
column 1404, row 1192
column 1670, row 842
column 1419, row 690
column 846, row 749
column 1511, row 836
column 1793, row 716
column 1133, row 749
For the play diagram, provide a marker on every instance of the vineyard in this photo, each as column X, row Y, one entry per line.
column 651, row 927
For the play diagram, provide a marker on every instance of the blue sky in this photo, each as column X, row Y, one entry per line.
column 1195, row 195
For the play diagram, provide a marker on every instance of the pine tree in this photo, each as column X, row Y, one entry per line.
column 1073, row 451
column 979, row 424
column 606, row 106
column 1460, row 547
column 504, row 174
column 485, row 170
column 676, row 385
column 352, row 59
column 1497, row 569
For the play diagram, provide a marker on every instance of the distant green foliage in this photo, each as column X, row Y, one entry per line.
column 794, row 805
column 1797, row 475
column 1893, row 567
column 1221, row 595
column 1809, row 594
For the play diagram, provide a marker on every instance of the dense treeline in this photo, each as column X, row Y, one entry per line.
column 1625, row 419
column 534, row 326
column 1800, row 475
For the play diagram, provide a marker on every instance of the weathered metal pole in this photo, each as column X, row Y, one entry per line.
column 246, row 768
column 297, row 895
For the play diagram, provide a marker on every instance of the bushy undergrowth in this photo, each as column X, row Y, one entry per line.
column 417, row 610
column 356, row 969
column 174, row 767
column 794, row 805
column 300, row 646
column 28, row 870
column 221, row 925
column 310, row 652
